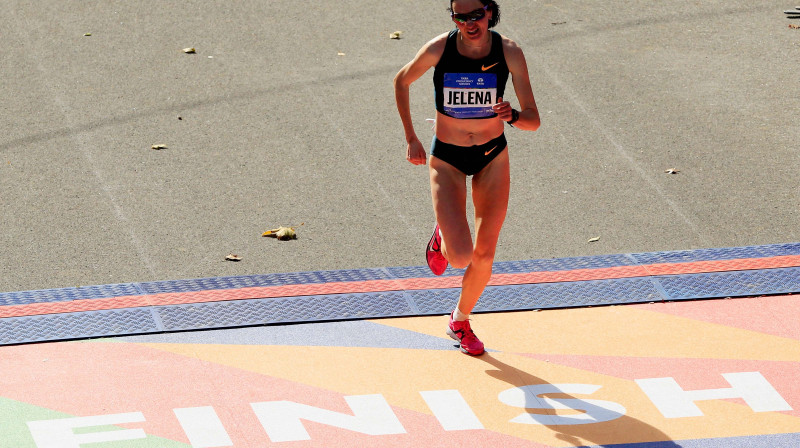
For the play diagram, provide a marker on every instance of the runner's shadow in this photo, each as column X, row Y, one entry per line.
column 576, row 434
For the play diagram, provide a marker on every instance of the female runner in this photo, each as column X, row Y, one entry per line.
column 471, row 67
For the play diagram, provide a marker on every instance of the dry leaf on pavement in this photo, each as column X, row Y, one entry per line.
column 282, row 233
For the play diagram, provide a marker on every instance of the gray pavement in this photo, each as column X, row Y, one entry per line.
column 278, row 128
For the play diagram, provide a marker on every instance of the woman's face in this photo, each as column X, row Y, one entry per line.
column 464, row 14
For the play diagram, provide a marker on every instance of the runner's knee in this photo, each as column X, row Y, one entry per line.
column 459, row 258
column 483, row 256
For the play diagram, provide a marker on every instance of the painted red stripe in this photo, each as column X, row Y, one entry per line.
column 264, row 292
column 742, row 264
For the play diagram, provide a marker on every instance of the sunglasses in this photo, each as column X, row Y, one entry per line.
column 472, row 16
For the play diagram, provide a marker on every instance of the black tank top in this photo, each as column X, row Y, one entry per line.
column 467, row 88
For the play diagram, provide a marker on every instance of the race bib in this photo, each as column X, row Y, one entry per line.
column 469, row 95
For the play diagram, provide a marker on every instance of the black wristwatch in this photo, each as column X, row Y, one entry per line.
column 514, row 117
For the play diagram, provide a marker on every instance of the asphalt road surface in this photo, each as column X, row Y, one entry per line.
column 285, row 115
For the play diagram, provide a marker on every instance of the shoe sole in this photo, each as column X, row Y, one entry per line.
column 452, row 334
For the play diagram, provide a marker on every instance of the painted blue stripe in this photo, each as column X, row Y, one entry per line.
column 236, row 282
column 728, row 253
column 88, row 324
column 762, row 441
column 317, row 334
column 730, row 284
column 68, row 294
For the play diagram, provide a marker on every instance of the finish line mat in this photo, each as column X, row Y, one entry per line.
column 691, row 374
column 200, row 304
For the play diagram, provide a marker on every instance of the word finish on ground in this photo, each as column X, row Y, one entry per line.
column 283, row 420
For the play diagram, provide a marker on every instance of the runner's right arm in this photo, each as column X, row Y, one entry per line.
column 427, row 57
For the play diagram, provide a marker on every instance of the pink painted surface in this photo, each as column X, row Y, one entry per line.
column 774, row 315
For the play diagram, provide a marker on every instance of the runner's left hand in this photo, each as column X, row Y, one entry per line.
column 502, row 109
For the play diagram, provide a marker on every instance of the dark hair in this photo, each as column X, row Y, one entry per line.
column 493, row 6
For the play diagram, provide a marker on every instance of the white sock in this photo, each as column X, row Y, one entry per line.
column 458, row 316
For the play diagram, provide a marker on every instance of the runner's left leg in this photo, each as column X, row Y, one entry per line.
column 490, row 191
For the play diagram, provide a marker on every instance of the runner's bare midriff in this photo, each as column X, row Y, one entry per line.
column 463, row 132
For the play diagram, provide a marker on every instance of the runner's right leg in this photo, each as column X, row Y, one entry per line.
column 449, row 195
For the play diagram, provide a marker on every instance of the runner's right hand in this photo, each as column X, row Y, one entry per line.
column 415, row 152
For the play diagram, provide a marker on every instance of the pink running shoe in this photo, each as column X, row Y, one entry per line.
column 461, row 332
column 433, row 254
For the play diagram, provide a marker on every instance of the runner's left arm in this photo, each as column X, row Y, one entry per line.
column 529, row 113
